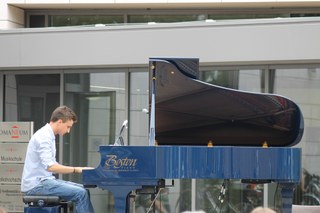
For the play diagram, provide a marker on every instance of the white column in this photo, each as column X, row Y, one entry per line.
column 10, row 16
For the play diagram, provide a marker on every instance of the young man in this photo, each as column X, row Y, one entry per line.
column 41, row 164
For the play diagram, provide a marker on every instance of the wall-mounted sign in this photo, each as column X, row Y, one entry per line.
column 10, row 173
column 11, row 198
column 15, row 131
column 13, row 152
column 14, row 138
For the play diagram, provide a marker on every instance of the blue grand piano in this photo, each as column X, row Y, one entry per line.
column 203, row 131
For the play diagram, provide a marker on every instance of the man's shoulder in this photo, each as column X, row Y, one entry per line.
column 46, row 127
column 43, row 132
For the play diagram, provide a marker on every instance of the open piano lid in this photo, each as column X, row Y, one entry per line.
column 191, row 112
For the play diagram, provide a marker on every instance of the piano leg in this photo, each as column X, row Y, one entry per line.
column 287, row 196
column 120, row 194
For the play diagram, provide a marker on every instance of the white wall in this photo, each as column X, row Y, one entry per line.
column 10, row 16
column 269, row 41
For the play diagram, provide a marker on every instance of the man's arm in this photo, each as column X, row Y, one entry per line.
column 61, row 169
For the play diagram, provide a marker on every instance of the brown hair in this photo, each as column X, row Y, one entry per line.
column 64, row 113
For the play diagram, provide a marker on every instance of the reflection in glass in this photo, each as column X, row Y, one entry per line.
column 31, row 98
column 303, row 86
column 77, row 20
column 246, row 80
column 99, row 101
column 225, row 78
column 139, row 119
column 164, row 18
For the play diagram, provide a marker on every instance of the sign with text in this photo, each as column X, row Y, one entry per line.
column 10, row 173
column 15, row 131
column 11, row 198
column 12, row 152
column 14, row 138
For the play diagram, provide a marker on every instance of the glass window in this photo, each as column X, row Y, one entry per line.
column 31, row 98
column 225, row 78
column 99, row 101
column 167, row 18
column 247, row 80
column 139, row 105
column 56, row 18
column 37, row 20
column 248, row 15
column 306, row 14
column 76, row 20
column 82, row 19
column 303, row 87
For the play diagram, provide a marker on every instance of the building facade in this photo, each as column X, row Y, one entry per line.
column 93, row 56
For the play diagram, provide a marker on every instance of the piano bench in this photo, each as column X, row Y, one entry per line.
column 46, row 203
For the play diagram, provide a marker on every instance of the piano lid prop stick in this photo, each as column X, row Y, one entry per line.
column 119, row 141
column 150, row 207
column 152, row 111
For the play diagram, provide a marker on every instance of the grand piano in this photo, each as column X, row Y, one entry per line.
column 203, row 131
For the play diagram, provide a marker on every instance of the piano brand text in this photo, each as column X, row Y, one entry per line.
column 115, row 162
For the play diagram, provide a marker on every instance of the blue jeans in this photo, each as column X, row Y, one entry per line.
column 66, row 190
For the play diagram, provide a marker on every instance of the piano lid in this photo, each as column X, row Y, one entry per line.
column 192, row 112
